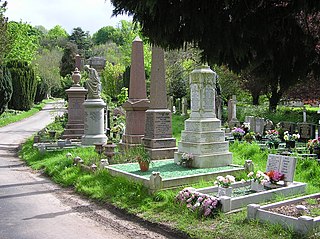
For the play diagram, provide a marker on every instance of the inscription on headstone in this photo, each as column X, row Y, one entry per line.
column 195, row 102
column 282, row 164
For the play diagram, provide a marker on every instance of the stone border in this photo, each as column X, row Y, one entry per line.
column 156, row 182
column 233, row 203
column 302, row 224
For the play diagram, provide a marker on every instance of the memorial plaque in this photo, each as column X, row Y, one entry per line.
column 282, row 164
column 306, row 131
column 195, row 101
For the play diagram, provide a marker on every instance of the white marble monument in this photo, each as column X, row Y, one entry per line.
column 202, row 136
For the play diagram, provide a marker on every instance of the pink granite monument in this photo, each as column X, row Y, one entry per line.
column 158, row 139
column 76, row 97
column 137, row 103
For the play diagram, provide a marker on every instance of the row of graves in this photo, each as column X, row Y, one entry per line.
column 202, row 154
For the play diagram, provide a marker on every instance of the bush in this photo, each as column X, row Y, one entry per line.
column 24, row 85
column 5, row 88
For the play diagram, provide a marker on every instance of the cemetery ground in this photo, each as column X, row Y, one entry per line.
column 161, row 208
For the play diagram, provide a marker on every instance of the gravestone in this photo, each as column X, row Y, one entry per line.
column 76, row 97
column 94, row 127
column 251, row 120
column 178, row 105
column 260, row 123
column 137, row 104
column 282, row 164
column 184, row 106
column 307, row 131
column 288, row 126
column 269, row 125
column 98, row 63
column 158, row 139
column 202, row 136
column 232, row 113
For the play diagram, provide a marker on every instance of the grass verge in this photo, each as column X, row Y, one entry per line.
column 162, row 207
column 14, row 116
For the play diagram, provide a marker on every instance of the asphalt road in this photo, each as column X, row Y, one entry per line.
column 32, row 207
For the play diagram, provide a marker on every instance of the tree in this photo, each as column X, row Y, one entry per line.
column 5, row 39
column 24, row 85
column 104, row 35
column 5, row 88
column 266, row 36
column 68, row 59
column 25, row 42
column 82, row 40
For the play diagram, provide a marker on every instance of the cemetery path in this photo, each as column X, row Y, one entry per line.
column 32, row 207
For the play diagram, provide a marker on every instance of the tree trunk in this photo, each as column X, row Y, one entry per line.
column 274, row 101
column 255, row 99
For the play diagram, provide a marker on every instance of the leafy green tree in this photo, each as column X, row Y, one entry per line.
column 24, row 85
column 111, row 81
column 46, row 66
column 104, row 35
column 25, row 42
column 267, row 36
column 68, row 59
column 82, row 40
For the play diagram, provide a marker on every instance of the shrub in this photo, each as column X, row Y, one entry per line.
column 5, row 88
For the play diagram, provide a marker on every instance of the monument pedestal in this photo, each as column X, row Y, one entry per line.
column 75, row 126
column 158, row 139
column 135, row 122
column 94, row 122
column 204, row 139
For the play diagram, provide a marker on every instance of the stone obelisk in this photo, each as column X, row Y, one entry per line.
column 202, row 136
column 158, row 138
column 137, row 103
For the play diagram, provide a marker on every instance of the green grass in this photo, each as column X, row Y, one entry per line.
column 14, row 116
column 161, row 207
column 177, row 126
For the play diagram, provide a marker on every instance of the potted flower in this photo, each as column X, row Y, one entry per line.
column 273, row 138
column 143, row 158
column 290, row 139
column 258, row 180
column 249, row 137
column 224, row 185
column 275, row 176
column 314, row 146
column 237, row 133
column 186, row 160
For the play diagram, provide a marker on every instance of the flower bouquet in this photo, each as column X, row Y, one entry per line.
column 237, row 133
column 258, row 180
column 224, row 185
column 186, row 160
column 275, row 176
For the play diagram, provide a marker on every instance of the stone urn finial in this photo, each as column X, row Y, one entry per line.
column 76, row 77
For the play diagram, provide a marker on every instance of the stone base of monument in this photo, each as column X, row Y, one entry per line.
column 160, row 148
column 94, row 122
column 204, row 139
column 73, row 131
column 234, row 123
column 129, row 141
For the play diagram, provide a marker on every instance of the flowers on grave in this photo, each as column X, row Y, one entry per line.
column 258, row 177
column 205, row 204
column 291, row 137
column 313, row 143
column 249, row 137
column 225, row 182
column 237, row 132
column 272, row 135
column 275, row 176
column 186, row 159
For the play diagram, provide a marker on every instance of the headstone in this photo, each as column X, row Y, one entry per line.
column 137, row 103
column 307, row 131
column 158, row 139
column 98, row 63
column 304, row 113
column 184, row 106
column 269, row 125
column 232, row 113
column 288, row 126
column 178, row 105
column 76, row 96
column 202, row 136
column 282, row 164
column 260, row 123
column 251, row 120
column 94, row 127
